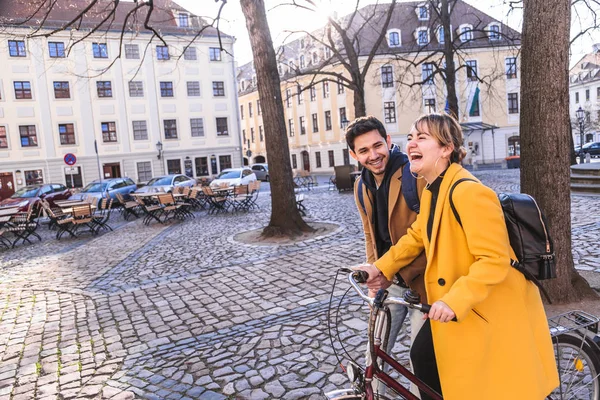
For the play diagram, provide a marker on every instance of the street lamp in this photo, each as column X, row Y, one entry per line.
column 344, row 125
column 580, row 118
column 159, row 148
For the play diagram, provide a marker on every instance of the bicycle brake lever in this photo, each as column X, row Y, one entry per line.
column 380, row 298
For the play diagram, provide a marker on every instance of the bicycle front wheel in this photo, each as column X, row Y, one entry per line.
column 578, row 368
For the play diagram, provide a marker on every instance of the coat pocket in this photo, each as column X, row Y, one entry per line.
column 484, row 319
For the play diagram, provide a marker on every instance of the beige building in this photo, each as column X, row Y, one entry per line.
column 584, row 92
column 156, row 109
column 487, row 85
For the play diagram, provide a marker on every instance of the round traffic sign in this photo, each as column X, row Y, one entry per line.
column 70, row 159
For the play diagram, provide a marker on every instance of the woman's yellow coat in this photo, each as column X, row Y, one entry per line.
column 500, row 348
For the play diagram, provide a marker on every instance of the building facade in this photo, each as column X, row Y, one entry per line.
column 399, row 86
column 123, row 105
column 584, row 92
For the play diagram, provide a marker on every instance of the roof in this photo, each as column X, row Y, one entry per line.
column 405, row 19
column 587, row 69
column 35, row 14
column 477, row 126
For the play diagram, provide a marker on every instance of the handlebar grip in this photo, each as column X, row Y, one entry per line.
column 425, row 308
column 360, row 276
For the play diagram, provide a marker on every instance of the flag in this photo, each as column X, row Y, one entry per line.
column 474, row 110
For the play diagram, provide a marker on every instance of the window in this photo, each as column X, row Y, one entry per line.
column 340, row 86
column 28, row 136
column 100, row 50
column 299, row 94
column 193, row 89
column 34, row 177
column 201, row 166
column 327, row 52
column 3, row 138
column 513, row 103
column 494, row 32
column 598, row 93
column 440, row 34
column 109, row 132
column 331, row 158
column 466, row 33
column 16, row 48
column 252, row 135
column 471, row 70
column 302, row 125
column 342, row 116
column 327, row 120
column 422, row 35
column 587, row 94
column 511, row 67
column 104, row 88
column 313, row 93
column 474, row 110
column 174, row 166
column 261, row 134
column 184, row 20
column 394, row 39
column 250, row 109
column 62, row 90
column 170, row 126
column 215, row 53
column 577, row 97
column 144, row 171
column 197, row 127
column 224, row 162
column 66, row 133
column 258, row 109
column 315, row 123
column 140, row 130
column 514, row 146
column 162, row 52
column 132, row 52
column 302, row 43
column 427, row 73
column 315, row 58
column 423, row 13
column 389, row 112
column 291, row 127
column 302, row 62
column 22, row 90
column 244, row 135
column 136, row 89
column 294, row 161
column 288, row 98
column 318, row 158
column 218, row 89
column 222, row 127
column 190, row 54
column 166, row 89
column 56, row 49
column 429, row 105
column 325, row 90
column 387, row 76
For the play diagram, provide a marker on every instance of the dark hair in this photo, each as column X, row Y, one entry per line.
column 446, row 130
column 362, row 125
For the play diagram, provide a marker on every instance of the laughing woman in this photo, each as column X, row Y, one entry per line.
column 500, row 346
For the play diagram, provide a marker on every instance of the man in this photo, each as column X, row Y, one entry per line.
column 385, row 212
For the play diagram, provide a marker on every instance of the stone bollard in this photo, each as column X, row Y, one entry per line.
column 588, row 158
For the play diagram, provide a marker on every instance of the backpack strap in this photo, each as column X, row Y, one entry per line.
column 409, row 189
column 514, row 263
column 361, row 197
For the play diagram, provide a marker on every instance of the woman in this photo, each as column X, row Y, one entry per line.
column 500, row 346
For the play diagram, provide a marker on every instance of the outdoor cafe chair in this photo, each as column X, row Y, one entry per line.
column 4, row 241
column 82, row 216
column 169, row 206
column 218, row 202
column 24, row 225
column 62, row 222
column 57, row 213
column 151, row 211
column 128, row 207
column 102, row 217
column 253, row 189
column 197, row 199
column 241, row 198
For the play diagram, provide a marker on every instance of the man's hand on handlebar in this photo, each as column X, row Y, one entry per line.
column 376, row 279
column 441, row 312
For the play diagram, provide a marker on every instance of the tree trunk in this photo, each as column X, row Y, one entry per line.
column 360, row 108
column 572, row 146
column 544, row 130
column 285, row 217
column 450, row 78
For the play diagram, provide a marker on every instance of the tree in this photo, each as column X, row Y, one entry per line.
column 285, row 217
column 544, row 125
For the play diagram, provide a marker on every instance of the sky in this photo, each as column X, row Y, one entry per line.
column 285, row 18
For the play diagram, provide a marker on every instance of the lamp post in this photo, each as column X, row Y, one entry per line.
column 580, row 118
column 344, row 125
column 159, row 148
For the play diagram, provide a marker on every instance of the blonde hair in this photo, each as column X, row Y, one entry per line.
column 446, row 130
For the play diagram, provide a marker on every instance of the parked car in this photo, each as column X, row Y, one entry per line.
column 107, row 188
column 591, row 148
column 166, row 183
column 261, row 171
column 32, row 194
column 234, row 177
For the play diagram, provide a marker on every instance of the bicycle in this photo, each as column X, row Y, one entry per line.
column 574, row 335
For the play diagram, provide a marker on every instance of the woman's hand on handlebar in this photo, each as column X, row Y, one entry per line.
column 441, row 312
column 376, row 279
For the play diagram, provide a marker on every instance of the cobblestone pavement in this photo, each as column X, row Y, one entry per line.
column 183, row 311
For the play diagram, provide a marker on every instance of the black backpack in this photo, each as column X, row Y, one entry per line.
column 528, row 234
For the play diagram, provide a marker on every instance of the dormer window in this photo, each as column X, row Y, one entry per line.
column 327, row 52
column 393, row 38
column 423, row 12
column 494, row 31
column 302, row 44
column 243, row 86
column 184, row 20
column 466, row 32
column 422, row 35
column 315, row 58
column 302, row 62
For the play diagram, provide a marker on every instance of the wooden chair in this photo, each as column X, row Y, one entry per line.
column 102, row 217
column 82, row 216
column 151, row 211
column 217, row 202
column 241, row 198
column 128, row 207
column 62, row 222
column 24, row 225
